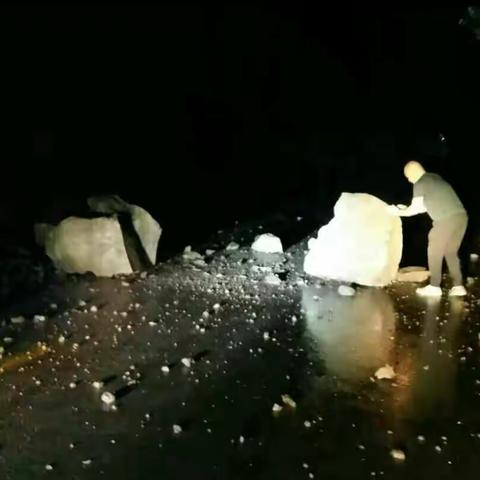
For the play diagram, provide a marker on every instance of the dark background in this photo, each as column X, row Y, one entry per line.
column 209, row 115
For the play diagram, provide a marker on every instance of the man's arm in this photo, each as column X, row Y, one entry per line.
column 416, row 207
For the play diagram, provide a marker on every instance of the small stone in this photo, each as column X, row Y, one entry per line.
column 94, row 309
column 398, row 455
column 277, row 408
column 61, row 339
column 177, row 429
column 346, row 291
column 72, row 385
column 307, row 424
column 108, row 398
column 385, row 372
column 39, row 318
column 287, row 400
column 17, row 320
column 165, row 369
column 8, row 340
column 421, row 439
column 49, row 467
column 87, row 462
column 232, row 246
column 97, row 385
column 187, row 362
column 82, row 303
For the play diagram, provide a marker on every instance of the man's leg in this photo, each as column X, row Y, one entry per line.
column 457, row 227
column 436, row 250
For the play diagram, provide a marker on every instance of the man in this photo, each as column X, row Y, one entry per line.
column 433, row 195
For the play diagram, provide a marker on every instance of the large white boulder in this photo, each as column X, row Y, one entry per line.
column 361, row 244
column 80, row 245
column 119, row 243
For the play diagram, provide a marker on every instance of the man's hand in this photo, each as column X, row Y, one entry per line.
column 393, row 210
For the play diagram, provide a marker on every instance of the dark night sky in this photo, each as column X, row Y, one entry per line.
column 211, row 114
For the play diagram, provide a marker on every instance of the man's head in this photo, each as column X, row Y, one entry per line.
column 413, row 171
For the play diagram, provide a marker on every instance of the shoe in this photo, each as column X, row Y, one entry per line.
column 429, row 291
column 458, row 291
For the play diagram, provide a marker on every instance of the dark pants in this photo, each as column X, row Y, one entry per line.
column 444, row 241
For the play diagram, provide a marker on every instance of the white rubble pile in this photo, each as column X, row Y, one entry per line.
column 413, row 274
column 80, row 245
column 361, row 244
column 267, row 243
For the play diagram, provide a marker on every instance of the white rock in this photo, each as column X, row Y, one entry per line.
column 232, row 246
column 108, row 398
column 398, row 455
column 80, row 245
column 361, row 244
column 17, row 320
column 165, row 369
column 190, row 255
column 177, row 429
column 97, row 385
column 346, row 291
column 272, row 279
column 267, row 243
column 147, row 228
column 187, row 362
column 413, row 274
column 277, row 408
column 385, row 372
column 474, row 257
column 288, row 401
column 39, row 318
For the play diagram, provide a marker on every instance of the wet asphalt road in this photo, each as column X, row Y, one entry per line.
column 244, row 343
